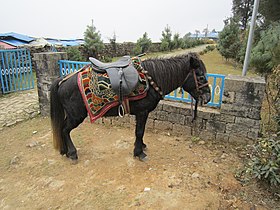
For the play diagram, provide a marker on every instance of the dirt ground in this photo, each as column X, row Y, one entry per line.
column 181, row 173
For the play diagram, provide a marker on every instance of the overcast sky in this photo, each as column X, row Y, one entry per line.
column 129, row 19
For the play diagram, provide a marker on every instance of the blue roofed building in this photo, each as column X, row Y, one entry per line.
column 14, row 40
column 211, row 35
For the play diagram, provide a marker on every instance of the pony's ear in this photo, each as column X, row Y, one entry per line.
column 194, row 62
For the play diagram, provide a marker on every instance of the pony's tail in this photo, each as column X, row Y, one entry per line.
column 57, row 116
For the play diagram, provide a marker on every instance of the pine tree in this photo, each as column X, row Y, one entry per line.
column 266, row 54
column 93, row 43
column 143, row 44
column 270, row 9
column 166, row 40
column 229, row 42
column 242, row 11
column 177, row 42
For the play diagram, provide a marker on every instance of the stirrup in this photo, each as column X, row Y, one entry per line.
column 121, row 110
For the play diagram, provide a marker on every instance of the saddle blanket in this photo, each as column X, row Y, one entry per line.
column 98, row 94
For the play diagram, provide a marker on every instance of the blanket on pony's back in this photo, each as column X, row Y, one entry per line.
column 98, row 94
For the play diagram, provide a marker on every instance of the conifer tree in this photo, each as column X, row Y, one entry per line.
column 93, row 42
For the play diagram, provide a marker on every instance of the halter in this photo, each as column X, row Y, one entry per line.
column 198, row 86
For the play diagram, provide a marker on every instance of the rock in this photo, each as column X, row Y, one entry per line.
column 51, row 161
column 87, row 162
column 11, row 123
column 195, row 175
column 32, row 144
column 55, row 184
column 147, row 189
column 201, row 142
column 15, row 160
column 224, row 155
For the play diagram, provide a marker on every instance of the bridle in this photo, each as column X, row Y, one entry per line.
column 198, row 86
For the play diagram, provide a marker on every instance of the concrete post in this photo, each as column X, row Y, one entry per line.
column 47, row 70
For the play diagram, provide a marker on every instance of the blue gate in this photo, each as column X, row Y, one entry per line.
column 216, row 83
column 16, row 70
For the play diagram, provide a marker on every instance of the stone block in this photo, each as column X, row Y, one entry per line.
column 227, row 118
column 162, row 115
column 253, row 134
column 236, row 129
column 228, row 97
column 209, row 114
column 241, row 111
column 236, row 83
column 150, row 124
column 159, row 106
column 248, row 99
column 251, row 123
column 214, row 125
column 169, row 107
column 176, row 118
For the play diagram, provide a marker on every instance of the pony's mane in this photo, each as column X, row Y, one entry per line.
column 170, row 72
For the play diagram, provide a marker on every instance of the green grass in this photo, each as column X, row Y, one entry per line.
column 216, row 64
column 213, row 60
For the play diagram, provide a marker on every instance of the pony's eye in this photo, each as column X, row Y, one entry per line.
column 200, row 78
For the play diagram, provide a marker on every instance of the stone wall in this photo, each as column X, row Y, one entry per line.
column 121, row 49
column 237, row 121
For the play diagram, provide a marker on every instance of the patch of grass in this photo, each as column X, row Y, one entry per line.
column 216, row 64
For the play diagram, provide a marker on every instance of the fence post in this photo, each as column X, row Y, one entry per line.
column 47, row 70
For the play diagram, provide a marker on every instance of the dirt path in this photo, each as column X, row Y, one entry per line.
column 180, row 173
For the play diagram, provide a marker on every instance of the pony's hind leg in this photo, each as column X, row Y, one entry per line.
column 69, row 125
column 141, row 119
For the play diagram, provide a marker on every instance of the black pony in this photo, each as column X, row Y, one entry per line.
column 68, row 109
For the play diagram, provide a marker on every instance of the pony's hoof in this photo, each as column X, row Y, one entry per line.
column 143, row 157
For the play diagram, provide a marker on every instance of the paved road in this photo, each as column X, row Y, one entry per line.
column 17, row 107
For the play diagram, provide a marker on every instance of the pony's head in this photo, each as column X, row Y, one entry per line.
column 196, row 83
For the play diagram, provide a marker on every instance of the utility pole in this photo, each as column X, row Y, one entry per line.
column 250, row 38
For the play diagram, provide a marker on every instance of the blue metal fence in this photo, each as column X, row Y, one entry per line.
column 216, row 83
column 67, row 67
column 16, row 70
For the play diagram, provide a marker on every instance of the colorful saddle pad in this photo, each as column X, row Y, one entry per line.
column 98, row 94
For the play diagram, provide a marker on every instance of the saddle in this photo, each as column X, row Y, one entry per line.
column 122, row 74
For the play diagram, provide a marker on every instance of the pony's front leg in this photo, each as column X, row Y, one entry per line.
column 141, row 119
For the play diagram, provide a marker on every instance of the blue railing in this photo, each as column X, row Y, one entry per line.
column 68, row 67
column 216, row 83
column 15, row 70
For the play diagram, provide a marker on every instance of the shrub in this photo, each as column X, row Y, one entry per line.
column 266, row 54
column 143, row 44
column 265, row 164
column 74, row 54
